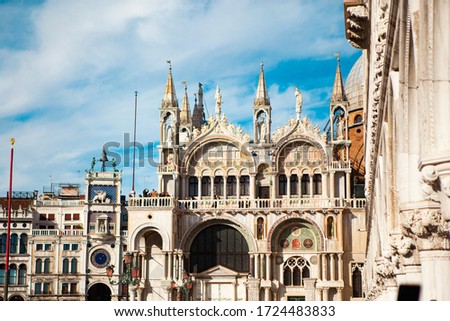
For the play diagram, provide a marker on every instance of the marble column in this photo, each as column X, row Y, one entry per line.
column 332, row 267
column 325, row 294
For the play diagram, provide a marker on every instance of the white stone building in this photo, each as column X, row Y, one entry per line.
column 405, row 47
column 267, row 216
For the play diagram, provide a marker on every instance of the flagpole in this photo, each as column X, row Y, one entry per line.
column 8, row 231
column 134, row 142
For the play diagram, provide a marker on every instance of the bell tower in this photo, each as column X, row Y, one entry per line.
column 262, row 119
column 169, row 137
column 340, row 169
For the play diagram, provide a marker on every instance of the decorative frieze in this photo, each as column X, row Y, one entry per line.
column 427, row 228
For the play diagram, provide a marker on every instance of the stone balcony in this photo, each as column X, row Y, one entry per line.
column 59, row 203
column 38, row 232
column 278, row 204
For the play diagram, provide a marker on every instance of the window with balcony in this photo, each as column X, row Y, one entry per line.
column 305, row 185
column 218, row 185
column 294, row 184
column 317, row 181
column 244, row 185
column 193, row 186
column 206, row 186
column 231, row 186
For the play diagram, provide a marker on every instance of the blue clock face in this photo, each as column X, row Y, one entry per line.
column 100, row 258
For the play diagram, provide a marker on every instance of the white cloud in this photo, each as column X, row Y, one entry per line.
column 70, row 88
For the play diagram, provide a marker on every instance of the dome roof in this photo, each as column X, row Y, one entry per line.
column 354, row 85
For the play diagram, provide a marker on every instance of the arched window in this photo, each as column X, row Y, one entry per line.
column 330, row 227
column 47, row 266
column 295, row 270
column 282, row 185
column 206, row 186
column 305, row 184
column 260, row 228
column 317, row 180
column 231, row 186
column 14, row 243
column 3, row 243
column 65, row 266
column 22, row 274
column 357, row 280
column 23, row 243
column 73, row 266
column 219, row 245
column 38, row 266
column 12, row 274
column 294, row 184
column 193, row 186
column 218, row 185
column 244, row 182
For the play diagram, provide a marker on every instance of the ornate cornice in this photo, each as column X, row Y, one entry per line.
column 356, row 24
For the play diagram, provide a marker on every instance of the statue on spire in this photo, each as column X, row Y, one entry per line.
column 218, row 101
column 298, row 102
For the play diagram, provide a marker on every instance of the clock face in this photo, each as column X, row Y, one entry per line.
column 100, row 258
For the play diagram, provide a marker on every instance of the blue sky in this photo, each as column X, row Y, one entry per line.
column 69, row 70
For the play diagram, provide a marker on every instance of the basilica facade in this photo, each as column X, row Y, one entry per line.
column 275, row 214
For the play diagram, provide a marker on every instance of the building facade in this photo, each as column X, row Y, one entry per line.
column 272, row 215
column 405, row 48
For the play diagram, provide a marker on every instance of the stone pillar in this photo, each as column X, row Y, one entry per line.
column 332, row 184
column 257, row 266
column 435, row 275
column 238, row 187
column 267, row 294
column 211, row 180
column 288, row 187
column 324, row 267
column 273, row 186
column 340, row 267
column 325, row 294
column 347, row 186
column 339, row 294
column 253, row 289
column 332, row 267
column 252, row 186
column 325, row 185
column 225, row 187
column 268, row 266
column 199, row 187
column 310, row 289
column 170, row 266
column 183, row 188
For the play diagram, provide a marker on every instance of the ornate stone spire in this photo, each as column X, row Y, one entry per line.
column 185, row 115
column 198, row 116
column 218, row 97
column 338, row 93
column 170, row 97
column 262, row 96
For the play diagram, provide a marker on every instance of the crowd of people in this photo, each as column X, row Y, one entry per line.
column 153, row 193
